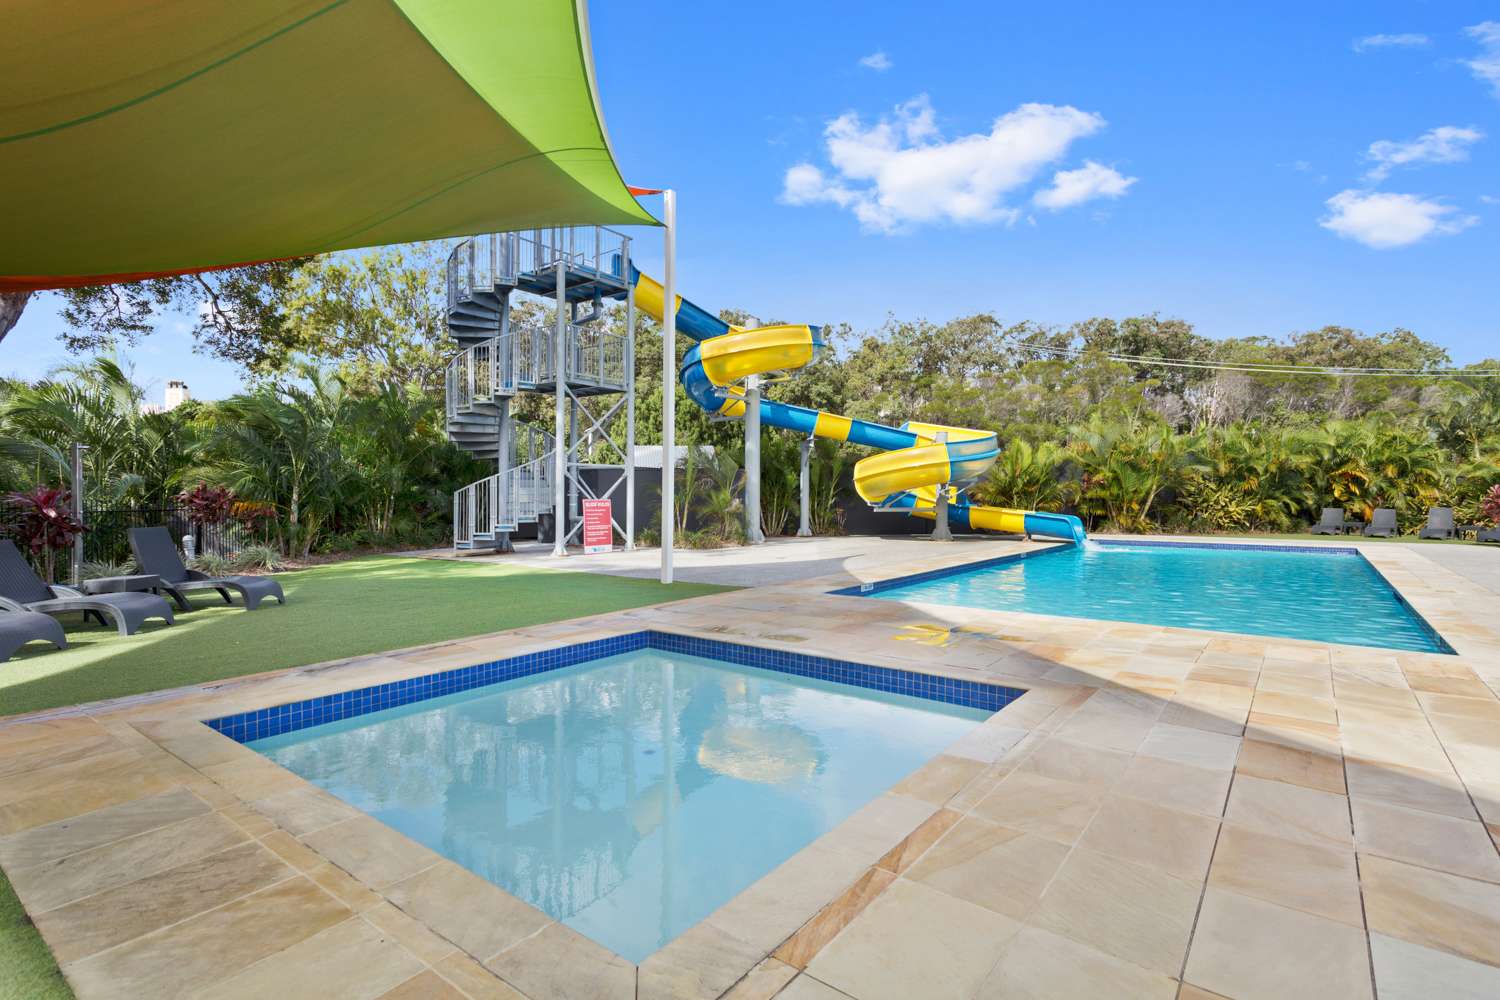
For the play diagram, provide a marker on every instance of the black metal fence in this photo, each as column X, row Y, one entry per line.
column 108, row 535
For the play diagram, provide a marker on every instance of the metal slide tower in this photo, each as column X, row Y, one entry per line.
column 588, row 372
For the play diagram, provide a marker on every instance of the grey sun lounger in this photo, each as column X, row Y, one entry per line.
column 22, row 590
column 1382, row 523
column 1332, row 522
column 156, row 553
column 1439, row 524
column 17, row 628
column 1488, row 535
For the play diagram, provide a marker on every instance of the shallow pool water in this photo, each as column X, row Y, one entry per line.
column 1302, row 593
column 628, row 797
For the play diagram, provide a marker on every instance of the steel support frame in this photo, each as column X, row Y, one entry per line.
column 596, row 425
column 560, row 416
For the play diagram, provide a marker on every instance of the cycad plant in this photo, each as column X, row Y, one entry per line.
column 1025, row 477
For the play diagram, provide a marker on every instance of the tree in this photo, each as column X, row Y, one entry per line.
column 377, row 318
column 131, row 455
column 236, row 312
column 12, row 304
column 278, row 444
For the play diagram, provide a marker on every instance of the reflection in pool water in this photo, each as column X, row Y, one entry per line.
column 631, row 796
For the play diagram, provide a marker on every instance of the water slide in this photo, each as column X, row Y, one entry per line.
column 917, row 459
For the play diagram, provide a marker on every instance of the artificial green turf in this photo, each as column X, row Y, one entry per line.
column 345, row 609
column 27, row 971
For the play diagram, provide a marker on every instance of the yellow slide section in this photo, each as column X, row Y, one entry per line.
column 916, row 458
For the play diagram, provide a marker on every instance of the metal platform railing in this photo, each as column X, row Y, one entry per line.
column 481, row 374
column 483, row 263
column 593, row 355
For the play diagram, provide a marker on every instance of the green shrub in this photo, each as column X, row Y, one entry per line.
column 211, row 563
column 258, row 557
column 93, row 569
column 1211, row 505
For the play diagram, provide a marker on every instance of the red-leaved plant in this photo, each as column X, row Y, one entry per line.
column 47, row 524
column 206, row 504
column 1490, row 505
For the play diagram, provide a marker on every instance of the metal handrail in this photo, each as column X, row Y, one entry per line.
column 502, row 501
column 495, row 260
column 593, row 355
column 480, row 374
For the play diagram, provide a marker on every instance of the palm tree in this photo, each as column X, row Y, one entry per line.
column 131, row 455
column 279, row 444
column 1128, row 465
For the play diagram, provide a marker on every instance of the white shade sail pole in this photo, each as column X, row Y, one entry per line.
column 668, row 380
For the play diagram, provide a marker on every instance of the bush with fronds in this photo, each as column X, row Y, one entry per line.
column 94, row 569
column 258, row 558
column 212, row 563
column 1211, row 505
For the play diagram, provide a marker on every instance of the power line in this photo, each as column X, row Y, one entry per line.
column 1272, row 368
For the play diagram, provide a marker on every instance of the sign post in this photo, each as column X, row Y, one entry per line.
column 598, row 534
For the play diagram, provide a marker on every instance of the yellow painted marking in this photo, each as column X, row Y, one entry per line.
column 940, row 635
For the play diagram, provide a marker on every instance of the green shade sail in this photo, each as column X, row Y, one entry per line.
column 174, row 135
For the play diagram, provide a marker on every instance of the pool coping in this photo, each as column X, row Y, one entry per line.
column 705, row 960
column 1444, row 648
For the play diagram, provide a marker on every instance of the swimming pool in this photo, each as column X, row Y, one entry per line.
column 1301, row 592
column 630, row 796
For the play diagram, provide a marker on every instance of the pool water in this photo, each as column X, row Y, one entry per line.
column 631, row 796
column 1300, row 593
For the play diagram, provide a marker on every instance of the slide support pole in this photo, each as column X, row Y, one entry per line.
column 753, row 534
column 804, row 520
column 941, row 532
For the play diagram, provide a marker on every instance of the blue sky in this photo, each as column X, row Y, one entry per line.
column 1255, row 169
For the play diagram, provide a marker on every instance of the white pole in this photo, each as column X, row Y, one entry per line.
column 629, row 409
column 559, row 424
column 753, row 533
column 668, row 379
column 804, row 523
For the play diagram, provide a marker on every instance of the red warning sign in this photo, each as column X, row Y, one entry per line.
column 598, row 536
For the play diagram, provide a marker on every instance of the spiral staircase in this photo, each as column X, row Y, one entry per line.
column 498, row 360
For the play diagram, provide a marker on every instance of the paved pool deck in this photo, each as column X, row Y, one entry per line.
column 1165, row 813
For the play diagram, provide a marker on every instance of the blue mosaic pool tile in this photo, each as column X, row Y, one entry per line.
column 265, row 722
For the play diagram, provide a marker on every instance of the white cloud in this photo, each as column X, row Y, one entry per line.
column 1489, row 199
column 1404, row 41
column 1384, row 221
column 900, row 171
column 1074, row 187
column 1486, row 65
column 1446, row 144
column 878, row 61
